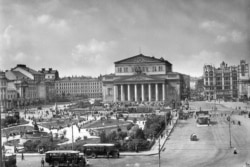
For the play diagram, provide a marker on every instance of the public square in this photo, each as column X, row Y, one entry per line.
column 125, row 83
column 211, row 149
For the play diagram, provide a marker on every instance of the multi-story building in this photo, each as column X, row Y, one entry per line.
column 79, row 86
column 3, row 91
column 50, row 74
column 144, row 78
column 220, row 83
column 48, row 85
column 243, row 80
column 26, row 85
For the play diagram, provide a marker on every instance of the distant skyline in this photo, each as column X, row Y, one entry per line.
column 86, row 37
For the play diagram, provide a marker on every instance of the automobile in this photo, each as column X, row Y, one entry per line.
column 20, row 149
column 193, row 137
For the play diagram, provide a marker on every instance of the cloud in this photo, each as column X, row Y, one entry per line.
column 207, row 57
column 19, row 57
column 221, row 39
column 91, row 51
column 43, row 19
column 59, row 25
column 212, row 25
column 233, row 36
column 7, row 38
column 237, row 36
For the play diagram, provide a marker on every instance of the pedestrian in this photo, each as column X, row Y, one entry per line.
column 22, row 156
column 239, row 123
column 235, row 151
column 42, row 162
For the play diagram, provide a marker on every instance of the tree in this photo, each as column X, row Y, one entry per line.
column 139, row 134
column 112, row 136
column 135, row 120
column 103, row 137
column 36, row 126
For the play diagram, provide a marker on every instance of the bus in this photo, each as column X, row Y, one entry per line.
column 101, row 149
column 10, row 160
column 65, row 158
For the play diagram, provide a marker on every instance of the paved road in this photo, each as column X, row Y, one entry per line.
column 212, row 149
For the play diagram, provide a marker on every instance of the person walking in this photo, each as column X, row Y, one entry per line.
column 42, row 162
column 22, row 156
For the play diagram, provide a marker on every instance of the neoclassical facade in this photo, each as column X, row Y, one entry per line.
column 143, row 78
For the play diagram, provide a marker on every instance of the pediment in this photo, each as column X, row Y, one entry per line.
column 141, row 59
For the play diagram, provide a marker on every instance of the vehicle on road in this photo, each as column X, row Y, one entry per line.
column 10, row 160
column 101, row 149
column 193, row 137
column 65, row 158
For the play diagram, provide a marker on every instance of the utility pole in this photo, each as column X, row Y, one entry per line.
column 72, row 138
column 166, row 123
column 159, row 151
column 230, row 140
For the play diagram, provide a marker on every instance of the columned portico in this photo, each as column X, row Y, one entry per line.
column 140, row 92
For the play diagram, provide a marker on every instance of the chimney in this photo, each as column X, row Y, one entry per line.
column 50, row 69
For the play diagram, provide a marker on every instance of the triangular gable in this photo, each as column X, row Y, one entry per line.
column 141, row 59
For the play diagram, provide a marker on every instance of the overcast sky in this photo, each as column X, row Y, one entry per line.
column 85, row 37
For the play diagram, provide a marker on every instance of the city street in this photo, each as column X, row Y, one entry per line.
column 212, row 148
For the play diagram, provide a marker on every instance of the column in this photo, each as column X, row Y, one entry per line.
column 149, row 92
column 135, row 92
column 142, row 92
column 115, row 93
column 156, row 92
column 128, row 92
column 122, row 93
column 163, row 92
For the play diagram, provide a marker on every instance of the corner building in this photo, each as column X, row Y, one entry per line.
column 143, row 78
column 220, row 83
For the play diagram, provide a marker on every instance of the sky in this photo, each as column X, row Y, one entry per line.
column 86, row 37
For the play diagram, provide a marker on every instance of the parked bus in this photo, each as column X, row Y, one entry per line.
column 101, row 149
column 65, row 158
column 10, row 160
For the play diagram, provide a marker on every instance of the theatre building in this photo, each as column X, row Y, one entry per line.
column 143, row 78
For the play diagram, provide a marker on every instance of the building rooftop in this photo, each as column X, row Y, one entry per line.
column 147, row 57
column 24, row 67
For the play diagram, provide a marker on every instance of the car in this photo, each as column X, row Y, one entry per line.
column 193, row 137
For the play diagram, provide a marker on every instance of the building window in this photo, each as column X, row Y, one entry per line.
column 125, row 69
column 154, row 68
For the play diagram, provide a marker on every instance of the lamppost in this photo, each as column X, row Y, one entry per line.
column 159, row 152
column 72, row 137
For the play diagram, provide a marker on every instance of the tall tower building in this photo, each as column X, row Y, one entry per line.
column 243, row 79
